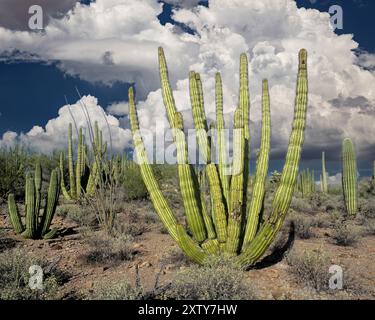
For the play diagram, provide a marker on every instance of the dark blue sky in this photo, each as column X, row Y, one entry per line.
column 32, row 93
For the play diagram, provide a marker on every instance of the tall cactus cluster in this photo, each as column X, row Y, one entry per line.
column 96, row 168
column 79, row 184
column 36, row 225
column 323, row 175
column 229, row 228
column 349, row 176
column 306, row 182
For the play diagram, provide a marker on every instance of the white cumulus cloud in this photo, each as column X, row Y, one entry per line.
column 54, row 136
column 117, row 40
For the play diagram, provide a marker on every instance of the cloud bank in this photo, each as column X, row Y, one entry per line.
column 117, row 40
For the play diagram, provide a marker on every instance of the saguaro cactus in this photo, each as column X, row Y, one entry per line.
column 227, row 229
column 36, row 226
column 349, row 177
column 324, row 185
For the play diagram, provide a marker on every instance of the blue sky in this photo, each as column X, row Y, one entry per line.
column 32, row 92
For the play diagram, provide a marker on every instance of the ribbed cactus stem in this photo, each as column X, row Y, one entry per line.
column 79, row 165
column 38, row 186
column 324, row 174
column 236, row 188
column 160, row 203
column 349, row 176
column 14, row 214
column 257, row 196
column 62, row 183
column 244, row 105
column 220, row 126
column 51, row 202
column 31, row 217
column 72, row 183
column 284, row 192
column 190, row 196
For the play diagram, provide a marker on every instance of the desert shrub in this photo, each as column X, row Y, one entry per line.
column 321, row 221
column 318, row 200
column 165, row 173
column 370, row 227
column 335, row 189
column 303, row 226
column 7, row 243
column 108, row 250
column 333, row 202
column 218, row 279
column 309, row 268
column 176, row 258
column 366, row 188
column 150, row 217
column 366, row 207
column 300, row 205
column 14, row 277
column 345, row 235
column 335, row 218
column 109, row 290
column 134, row 229
column 80, row 214
column 12, row 171
column 133, row 185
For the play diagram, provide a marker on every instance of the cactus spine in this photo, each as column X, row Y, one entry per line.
column 224, row 233
column 34, row 228
column 349, row 176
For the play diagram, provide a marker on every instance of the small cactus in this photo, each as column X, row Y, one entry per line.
column 36, row 227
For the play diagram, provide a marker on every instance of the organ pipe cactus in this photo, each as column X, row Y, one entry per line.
column 75, row 176
column 228, row 229
column 36, row 225
column 77, row 171
column 306, row 183
column 99, row 150
column 349, row 177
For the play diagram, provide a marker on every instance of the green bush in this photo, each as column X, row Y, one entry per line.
column 345, row 235
column 133, row 185
column 309, row 268
column 370, row 227
column 303, row 226
column 80, row 214
column 367, row 207
column 116, row 291
column 108, row 250
column 12, row 171
column 218, row 279
column 300, row 205
column 14, row 277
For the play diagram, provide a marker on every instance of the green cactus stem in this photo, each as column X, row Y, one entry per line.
column 229, row 231
column 349, row 177
column 36, row 228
